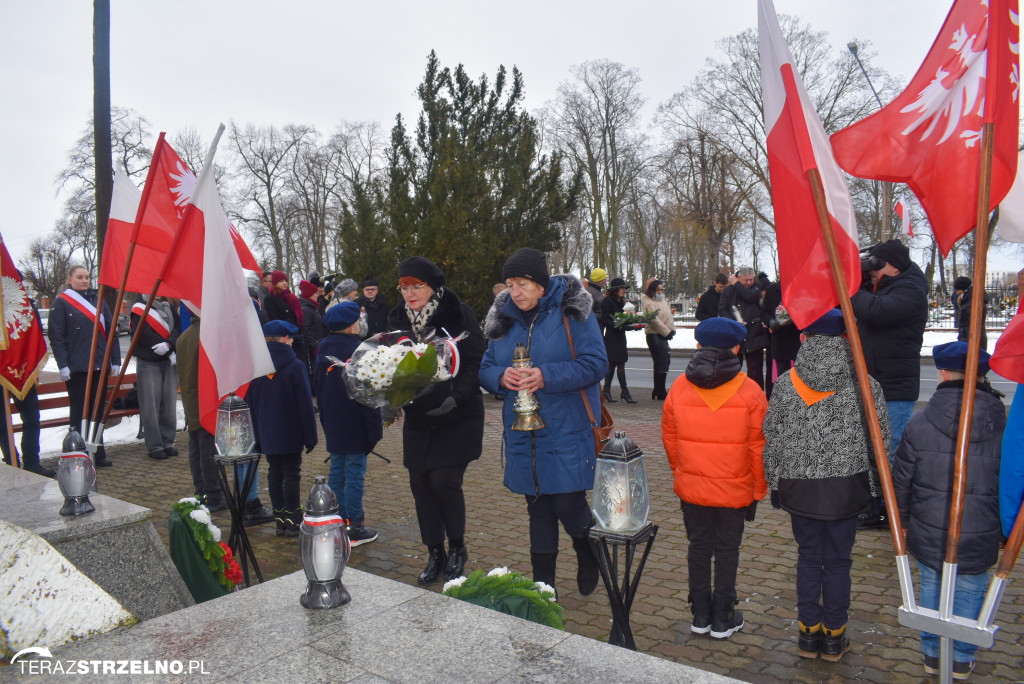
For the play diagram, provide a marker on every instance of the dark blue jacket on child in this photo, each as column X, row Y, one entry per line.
column 349, row 427
column 282, row 406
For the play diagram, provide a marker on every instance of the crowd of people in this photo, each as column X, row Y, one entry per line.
column 762, row 407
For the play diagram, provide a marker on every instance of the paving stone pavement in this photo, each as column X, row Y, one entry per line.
column 764, row 651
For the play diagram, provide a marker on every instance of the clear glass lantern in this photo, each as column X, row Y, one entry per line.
column 621, row 502
column 323, row 549
column 234, row 428
column 76, row 475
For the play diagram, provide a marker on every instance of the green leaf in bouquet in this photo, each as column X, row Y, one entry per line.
column 411, row 376
column 427, row 364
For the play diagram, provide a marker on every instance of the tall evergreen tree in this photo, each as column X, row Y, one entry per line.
column 471, row 187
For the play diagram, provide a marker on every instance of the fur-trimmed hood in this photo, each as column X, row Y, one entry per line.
column 564, row 291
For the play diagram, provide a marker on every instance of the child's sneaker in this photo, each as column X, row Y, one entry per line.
column 358, row 533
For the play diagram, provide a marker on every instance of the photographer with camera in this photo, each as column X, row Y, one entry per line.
column 742, row 301
column 891, row 310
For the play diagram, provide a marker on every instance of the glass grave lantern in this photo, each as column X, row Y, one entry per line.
column 621, row 502
column 323, row 549
column 234, row 428
column 76, row 475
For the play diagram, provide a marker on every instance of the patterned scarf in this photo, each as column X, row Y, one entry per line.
column 419, row 320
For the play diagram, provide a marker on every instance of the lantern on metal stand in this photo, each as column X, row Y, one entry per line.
column 76, row 475
column 526, row 406
column 323, row 549
column 621, row 503
column 234, row 436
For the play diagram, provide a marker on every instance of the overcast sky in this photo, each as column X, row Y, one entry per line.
column 198, row 63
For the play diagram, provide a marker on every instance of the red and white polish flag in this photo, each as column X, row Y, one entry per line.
column 904, row 213
column 797, row 143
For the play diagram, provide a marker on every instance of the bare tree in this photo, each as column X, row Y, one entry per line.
column 45, row 267
column 596, row 123
column 266, row 154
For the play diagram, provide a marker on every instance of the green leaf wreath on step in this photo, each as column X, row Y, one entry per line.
column 500, row 584
column 207, row 536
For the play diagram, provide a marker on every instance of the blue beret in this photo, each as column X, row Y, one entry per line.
column 831, row 324
column 953, row 356
column 341, row 315
column 280, row 329
column 720, row 332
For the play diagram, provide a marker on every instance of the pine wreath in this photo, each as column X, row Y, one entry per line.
column 494, row 588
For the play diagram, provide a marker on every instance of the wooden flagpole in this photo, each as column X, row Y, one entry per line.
column 83, row 428
column 860, row 365
column 15, row 461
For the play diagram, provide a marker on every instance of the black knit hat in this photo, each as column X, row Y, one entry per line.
column 370, row 281
column 893, row 251
column 961, row 283
column 423, row 269
column 527, row 263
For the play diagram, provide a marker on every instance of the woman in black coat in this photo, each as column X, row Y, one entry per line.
column 443, row 429
column 785, row 336
column 615, row 339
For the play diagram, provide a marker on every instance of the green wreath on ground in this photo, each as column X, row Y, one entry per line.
column 509, row 592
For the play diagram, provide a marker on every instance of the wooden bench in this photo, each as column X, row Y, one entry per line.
column 54, row 395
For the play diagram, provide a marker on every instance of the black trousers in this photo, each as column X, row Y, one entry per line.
column 76, row 400
column 713, row 532
column 205, row 475
column 658, row 346
column 283, row 480
column 547, row 510
column 755, row 366
column 28, row 408
column 440, row 503
column 823, row 569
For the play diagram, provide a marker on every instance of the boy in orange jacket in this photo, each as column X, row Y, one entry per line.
column 711, row 427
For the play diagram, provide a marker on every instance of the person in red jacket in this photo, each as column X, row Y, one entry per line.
column 711, row 427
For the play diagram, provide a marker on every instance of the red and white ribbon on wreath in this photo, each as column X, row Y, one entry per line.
column 456, row 357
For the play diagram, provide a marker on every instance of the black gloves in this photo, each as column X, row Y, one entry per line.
column 447, row 405
column 751, row 512
column 310, row 448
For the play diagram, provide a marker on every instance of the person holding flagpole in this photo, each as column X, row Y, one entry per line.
column 157, row 378
column 72, row 317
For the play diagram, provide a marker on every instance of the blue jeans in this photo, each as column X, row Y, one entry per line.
column 346, row 481
column 254, row 489
column 968, row 596
column 899, row 414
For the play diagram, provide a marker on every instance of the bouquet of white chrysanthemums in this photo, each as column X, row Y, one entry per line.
column 390, row 369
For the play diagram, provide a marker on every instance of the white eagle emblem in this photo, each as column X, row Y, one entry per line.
column 938, row 103
column 17, row 311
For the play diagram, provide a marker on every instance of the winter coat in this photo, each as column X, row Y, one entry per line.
column 188, row 373
column 1011, row 468
column 349, row 427
column 277, row 308
column 559, row 457
column 707, row 305
column 891, row 322
column 454, row 438
column 597, row 296
column 377, row 310
column 922, row 475
column 663, row 324
column 963, row 327
column 711, row 429
column 614, row 338
column 748, row 301
column 70, row 333
column 281, row 405
column 313, row 330
column 785, row 339
column 817, row 450
column 150, row 337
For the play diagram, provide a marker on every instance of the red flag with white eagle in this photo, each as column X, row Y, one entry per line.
column 904, row 213
column 797, row 143
column 24, row 353
column 1008, row 357
column 232, row 349
column 930, row 135
column 172, row 187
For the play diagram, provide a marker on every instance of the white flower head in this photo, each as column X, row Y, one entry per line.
column 214, row 531
column 201, row 515
column 498, row 572
column 544, row 588
column 451, row 584
column 189, row 500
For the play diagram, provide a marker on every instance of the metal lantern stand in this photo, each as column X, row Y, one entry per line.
column 621, row 591
column 238, row 539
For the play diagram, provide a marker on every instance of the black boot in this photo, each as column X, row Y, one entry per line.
column 621, row 372
column 725, row 619
column 659, row 385
column 607, row 393
column 700, row 604
column 834, row 643
column 626, row 397
column 292, row 521
column 457, row 557
column 31, row 464
column 587, row 571
column 435, row 564
column 809, row 641
column 544, row 568
column 255, row 514
column 281, row 518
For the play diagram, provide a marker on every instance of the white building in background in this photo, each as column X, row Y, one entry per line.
column 998, row 279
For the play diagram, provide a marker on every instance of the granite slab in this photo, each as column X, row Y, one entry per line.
column 389, row 632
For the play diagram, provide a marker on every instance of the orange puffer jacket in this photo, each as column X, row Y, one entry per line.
column 714, row 442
